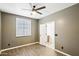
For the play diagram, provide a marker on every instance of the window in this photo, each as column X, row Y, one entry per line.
column 23, row 27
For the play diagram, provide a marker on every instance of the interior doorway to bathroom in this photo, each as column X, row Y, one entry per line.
column 47, row 34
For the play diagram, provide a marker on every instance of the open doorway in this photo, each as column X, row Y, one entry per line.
column 47, row 34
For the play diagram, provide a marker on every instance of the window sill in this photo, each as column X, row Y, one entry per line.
column 23, row 36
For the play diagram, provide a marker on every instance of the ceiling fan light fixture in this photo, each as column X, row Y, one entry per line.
column 33, row 13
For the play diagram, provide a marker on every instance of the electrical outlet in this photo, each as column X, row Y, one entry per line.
column 62, row 47
column 8, row 44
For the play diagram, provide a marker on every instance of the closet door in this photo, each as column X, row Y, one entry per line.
column 43, row 34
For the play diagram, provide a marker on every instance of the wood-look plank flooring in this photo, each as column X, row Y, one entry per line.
column 32, row 50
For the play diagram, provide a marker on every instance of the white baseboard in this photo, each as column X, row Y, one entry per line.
column 62, row 52
column 18, row 46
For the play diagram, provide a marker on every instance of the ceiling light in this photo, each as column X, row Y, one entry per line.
column 33, row 13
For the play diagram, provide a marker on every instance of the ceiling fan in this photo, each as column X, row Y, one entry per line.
column 34, row 9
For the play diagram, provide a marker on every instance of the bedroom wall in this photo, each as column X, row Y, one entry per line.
column 9, row 31
column 67, row 28
column 0, row 30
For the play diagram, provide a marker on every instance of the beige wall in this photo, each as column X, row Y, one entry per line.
column 67, row 28
column 0, row 30
column 9, row 32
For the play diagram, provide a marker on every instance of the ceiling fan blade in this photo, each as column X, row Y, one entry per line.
column 38, row 12
column 40, row 8
column 27, row 9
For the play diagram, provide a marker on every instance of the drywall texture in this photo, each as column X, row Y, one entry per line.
column 0, row 30
column 67, row 28
column 9, row 31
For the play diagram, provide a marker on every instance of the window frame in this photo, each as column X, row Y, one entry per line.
column 27, row 31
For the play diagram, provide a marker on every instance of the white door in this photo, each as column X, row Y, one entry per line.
column 51, row 34
column 43, row 34
column 47, row 34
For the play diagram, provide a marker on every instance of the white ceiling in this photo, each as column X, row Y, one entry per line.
column 16, row 8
